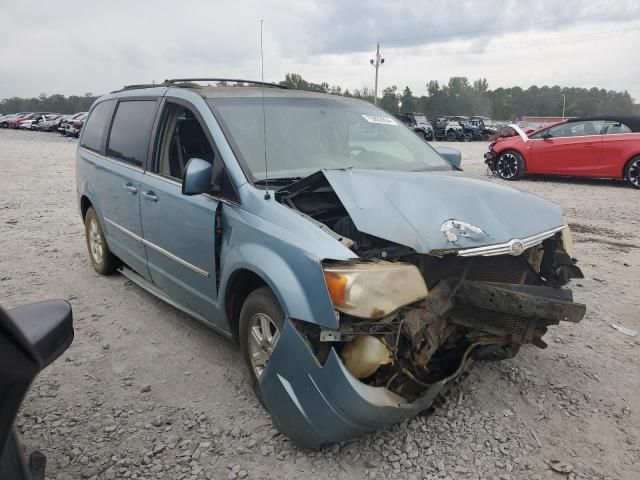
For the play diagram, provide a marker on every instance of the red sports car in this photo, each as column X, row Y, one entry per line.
column 597, row 147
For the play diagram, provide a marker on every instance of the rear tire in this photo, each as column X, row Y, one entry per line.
column 632, row 171
column 261, row 321
column 510, row 165
column 450, row 136
column 103, row 261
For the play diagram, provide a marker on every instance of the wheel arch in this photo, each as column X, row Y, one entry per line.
column 240, row 284
column 85, row 203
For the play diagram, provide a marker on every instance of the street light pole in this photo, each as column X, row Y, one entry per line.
column 376, row 64
column 564, row 101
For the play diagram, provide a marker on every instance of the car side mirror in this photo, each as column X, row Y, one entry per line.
column 451, row 155
column 31, row 337
column 547, row 135
column 197, row 177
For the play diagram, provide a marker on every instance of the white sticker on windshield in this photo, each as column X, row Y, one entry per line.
column 378, row 119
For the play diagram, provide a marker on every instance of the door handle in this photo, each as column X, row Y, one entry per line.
column 149, row 195
column 131, row 188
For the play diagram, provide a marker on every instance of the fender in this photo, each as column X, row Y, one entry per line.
column 297, row 282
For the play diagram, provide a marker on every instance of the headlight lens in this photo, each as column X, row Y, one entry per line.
column 373, row 290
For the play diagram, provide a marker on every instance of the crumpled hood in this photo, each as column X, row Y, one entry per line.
column 415, row 209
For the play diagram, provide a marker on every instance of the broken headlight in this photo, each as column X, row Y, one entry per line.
column 373, row 289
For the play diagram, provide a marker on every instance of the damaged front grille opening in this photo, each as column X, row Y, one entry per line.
column 482, row 307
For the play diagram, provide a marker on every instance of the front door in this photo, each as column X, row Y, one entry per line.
column 179, row 230
column 573, row 148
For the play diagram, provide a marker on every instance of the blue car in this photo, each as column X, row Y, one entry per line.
column 360, row 271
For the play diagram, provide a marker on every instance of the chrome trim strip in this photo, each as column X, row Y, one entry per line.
column 175, row 258
column 163, row 178
column 149, row 287
column 123, row 230
column 505, row 248
column 159, row 249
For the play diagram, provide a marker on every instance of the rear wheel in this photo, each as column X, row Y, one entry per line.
column 510, row 165
column 450, row 136
column 632, row 171
column 103, row 261
column 261, row 321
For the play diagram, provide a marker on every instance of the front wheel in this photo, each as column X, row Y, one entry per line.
column 632, row 171
column 510, row 165
column 261, row 321
column 103, row 261
column 450, row 136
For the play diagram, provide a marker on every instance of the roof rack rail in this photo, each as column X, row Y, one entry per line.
column 174, row 81
column 138, row 86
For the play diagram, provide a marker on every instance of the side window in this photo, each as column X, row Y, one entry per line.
column 611, row 128
column 576, row 129
column 130, row 131
column 95, row 127
column 181, row 137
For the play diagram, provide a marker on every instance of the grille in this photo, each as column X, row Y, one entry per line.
column 502, row 269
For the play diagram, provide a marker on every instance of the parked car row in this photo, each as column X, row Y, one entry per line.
column 69, row 125
column 455, row 128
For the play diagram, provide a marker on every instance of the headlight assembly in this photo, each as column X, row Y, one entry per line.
column 373, row 290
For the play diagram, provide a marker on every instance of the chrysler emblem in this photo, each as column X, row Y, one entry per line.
column 516, row 247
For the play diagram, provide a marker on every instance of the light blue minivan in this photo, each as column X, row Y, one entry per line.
column 359, row 270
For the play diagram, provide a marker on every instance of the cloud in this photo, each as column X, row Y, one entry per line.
column 99, row 46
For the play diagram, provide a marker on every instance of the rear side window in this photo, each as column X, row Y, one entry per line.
column 130, row 131
column 96, row 125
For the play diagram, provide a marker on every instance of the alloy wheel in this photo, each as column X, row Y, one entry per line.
column 634, row 173
column 263, row 337
column 95, row 241
column 507, row 165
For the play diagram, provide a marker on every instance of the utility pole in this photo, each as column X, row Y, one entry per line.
column 564, row 101
column 376, row 64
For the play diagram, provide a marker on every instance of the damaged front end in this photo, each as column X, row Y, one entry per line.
column 410, row 322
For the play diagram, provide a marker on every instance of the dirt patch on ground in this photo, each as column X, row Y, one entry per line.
column 146, row 392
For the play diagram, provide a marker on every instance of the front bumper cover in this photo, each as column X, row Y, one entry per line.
column 314, row 404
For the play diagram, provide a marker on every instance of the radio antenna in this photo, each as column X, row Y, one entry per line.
column 267, row 195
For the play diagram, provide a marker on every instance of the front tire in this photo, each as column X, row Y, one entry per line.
column 510, row 165
column 450, row 136
column 103, row 261
column 261, row 321
column 632, row 171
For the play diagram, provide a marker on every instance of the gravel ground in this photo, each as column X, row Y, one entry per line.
column 146, row 392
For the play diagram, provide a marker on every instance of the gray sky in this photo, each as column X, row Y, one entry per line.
column 73, row 47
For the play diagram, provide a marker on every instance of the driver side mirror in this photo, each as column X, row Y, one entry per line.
column 198, row 177
column 547, row 135
column 451, row 155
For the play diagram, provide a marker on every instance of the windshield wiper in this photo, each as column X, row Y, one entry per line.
column 277, row 181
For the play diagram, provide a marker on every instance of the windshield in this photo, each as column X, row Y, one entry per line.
column 305, row 135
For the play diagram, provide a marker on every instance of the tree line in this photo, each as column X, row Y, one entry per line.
column 458, row 96
column 48, row 103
